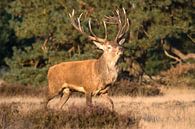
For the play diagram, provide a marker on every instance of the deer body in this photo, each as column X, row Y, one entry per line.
column 84, row 76
column 92, row 76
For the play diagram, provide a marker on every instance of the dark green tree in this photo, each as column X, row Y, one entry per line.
column 46, row 37
column 6, row 33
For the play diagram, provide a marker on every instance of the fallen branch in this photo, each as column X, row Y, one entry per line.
column 180, row 55
column 190, row 38
column 173, row 57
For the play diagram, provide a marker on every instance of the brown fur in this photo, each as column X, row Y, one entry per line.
column 92, row 75
column 74, row 73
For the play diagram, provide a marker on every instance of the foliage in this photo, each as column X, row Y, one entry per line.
column 6, row 33
column 156, row 60
column 26, row 70
column 44, row 35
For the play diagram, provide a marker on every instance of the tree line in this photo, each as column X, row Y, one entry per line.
column 36, row 34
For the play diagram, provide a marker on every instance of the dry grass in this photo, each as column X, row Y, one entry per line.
column 170, row 115
column 179, row 70
column 173, row 110
column 181, row 75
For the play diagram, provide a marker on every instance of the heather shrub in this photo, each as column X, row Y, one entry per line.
column 181, row 75
column 15, row 89
column 74, row 117
column 126, row 87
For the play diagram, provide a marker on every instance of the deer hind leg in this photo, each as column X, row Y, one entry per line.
column 64, row 98
column 48, row 99
column 140, row 79
column 88, row 96
column 106, row 97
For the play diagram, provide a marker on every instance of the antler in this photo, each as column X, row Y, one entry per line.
column 77, row 25
column 122, row 29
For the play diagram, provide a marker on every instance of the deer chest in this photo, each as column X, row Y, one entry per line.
column 111, row 76
column 103, row 87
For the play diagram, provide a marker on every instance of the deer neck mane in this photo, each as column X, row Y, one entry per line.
column 107, row 69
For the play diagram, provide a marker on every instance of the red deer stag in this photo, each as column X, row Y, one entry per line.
column 92, row 76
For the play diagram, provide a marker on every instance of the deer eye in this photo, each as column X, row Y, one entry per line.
column 109, row 47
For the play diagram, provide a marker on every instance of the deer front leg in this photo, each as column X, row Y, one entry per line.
column 105, row 96
column 64, row 98
column 140, row 79
column 88, row 96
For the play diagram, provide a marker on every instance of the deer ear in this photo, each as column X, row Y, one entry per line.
column 121, row 41
column 99, row 45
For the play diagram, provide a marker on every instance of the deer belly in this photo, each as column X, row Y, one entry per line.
column 74, row 87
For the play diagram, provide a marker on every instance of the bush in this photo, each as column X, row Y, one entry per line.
column 75, row 117
column 181, row 75
column 126, row 87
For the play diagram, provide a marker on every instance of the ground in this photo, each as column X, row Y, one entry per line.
column 174, row 109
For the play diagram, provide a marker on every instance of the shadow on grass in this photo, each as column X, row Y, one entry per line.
column 75, row 117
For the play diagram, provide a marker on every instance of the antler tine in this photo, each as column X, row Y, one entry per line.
column 124, row 12
column 105, row 29
column 77, row 25
column 90, row 29
column 122, row 29
column 79, row 22
column 126, row 21
column 125, row 27
column 110, row 19
column 119, row 25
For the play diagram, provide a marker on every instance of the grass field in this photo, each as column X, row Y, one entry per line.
column 175, row 109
